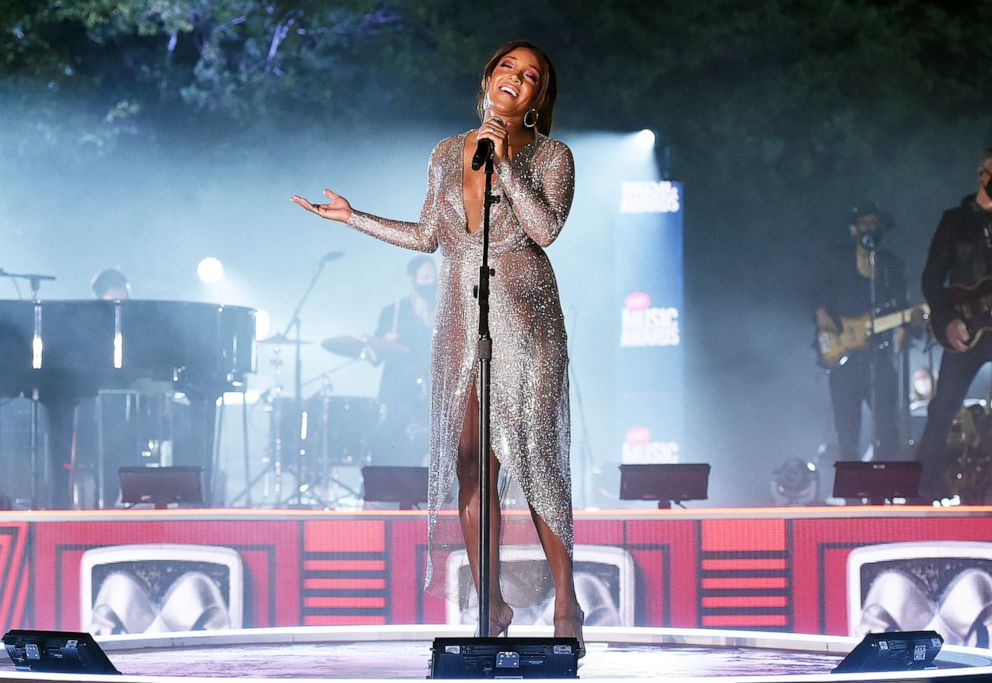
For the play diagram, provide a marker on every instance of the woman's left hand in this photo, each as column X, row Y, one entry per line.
column 493, row 130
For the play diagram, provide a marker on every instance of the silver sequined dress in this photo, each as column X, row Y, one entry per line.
column 530, row 411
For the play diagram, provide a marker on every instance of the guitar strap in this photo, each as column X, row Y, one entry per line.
column 888, row 300
column 987, row 232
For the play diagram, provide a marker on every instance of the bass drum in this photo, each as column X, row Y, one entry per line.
column 338, row 431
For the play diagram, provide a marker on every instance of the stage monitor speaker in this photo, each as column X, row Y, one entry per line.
column 56, row 652
column 504, row 658
column 665, row 483
column 897, row 651
column 404, row 485
column 162, row 485
column 877, row 481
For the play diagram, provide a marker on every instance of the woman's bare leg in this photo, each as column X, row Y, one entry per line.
column 568, row 615
column 468, row 511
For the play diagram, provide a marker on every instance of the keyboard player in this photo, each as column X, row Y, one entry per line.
column 63, row 352
column 127, row 427
column 110, row 284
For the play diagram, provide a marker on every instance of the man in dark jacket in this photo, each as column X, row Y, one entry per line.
column 846, row 294
column 960, row 254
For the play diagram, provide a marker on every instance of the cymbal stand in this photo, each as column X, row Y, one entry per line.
column 272, row 461
column 316, row 487
column 333, row 489
column 295, row 324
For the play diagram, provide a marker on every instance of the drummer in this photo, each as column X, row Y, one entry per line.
column 402, row 344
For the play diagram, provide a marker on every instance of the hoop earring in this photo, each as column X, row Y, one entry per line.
column 537, row 115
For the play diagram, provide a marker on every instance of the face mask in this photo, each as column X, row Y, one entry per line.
column 427, row 291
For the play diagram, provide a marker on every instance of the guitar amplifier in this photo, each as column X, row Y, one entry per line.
column 505, row 658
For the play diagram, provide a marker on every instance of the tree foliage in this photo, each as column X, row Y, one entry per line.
column 771, row 101
column 803, row 88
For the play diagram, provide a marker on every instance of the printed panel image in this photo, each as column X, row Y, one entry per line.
column 161, row 588
column 941, row 586
column 648, row 301
column 604, row 583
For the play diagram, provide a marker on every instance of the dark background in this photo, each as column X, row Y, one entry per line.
column 775, row 115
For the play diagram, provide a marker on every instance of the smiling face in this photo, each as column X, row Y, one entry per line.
column 515, row 83
column 518, row 77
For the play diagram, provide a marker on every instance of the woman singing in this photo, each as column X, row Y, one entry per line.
column 530, row 412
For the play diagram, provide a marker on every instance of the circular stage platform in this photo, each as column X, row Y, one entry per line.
column 403, row 653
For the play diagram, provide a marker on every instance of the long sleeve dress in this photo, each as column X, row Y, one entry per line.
column 529, row 400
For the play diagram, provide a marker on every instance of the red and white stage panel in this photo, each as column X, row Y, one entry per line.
column 839, row 571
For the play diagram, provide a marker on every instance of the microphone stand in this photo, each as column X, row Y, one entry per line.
column 34, row 278
column 295, row 322
column 870, row 242
column 485, row 349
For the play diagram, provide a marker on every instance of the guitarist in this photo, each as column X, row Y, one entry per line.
column 960, row 254
column 846, row 293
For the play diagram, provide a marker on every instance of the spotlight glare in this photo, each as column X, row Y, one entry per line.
column 210, row 270
column 645, row 139
column 263, row 322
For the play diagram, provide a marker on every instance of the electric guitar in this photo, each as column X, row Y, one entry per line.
column 833, row 347
column 973, row 306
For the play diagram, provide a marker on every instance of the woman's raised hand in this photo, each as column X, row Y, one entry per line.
column 495, row 130
column 337, row 209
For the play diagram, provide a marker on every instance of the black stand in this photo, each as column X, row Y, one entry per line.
column 297, row 497
column 870, row 242
column 41, row 471
column 33, row 278
column 483, row 656
column 481, row 293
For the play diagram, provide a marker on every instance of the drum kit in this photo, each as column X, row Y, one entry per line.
column 321, row 441
column 968, row 462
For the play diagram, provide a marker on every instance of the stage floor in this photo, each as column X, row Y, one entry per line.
column 403, row 653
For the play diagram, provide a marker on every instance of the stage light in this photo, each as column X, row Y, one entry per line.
column 504, row 658
column 795, row 483
column 404, row 485
column 666, row 483
column 894, row 651
column 210, row 270
column 263, row 323
column 645, row 139
column 162, row 486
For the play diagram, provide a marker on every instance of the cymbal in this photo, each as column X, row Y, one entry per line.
column 346, row 345
column 280, row 338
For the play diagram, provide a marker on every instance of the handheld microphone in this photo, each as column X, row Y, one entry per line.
column 331, row 256
column 484, row 150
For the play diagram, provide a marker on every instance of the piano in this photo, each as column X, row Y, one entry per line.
column 60, row 352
